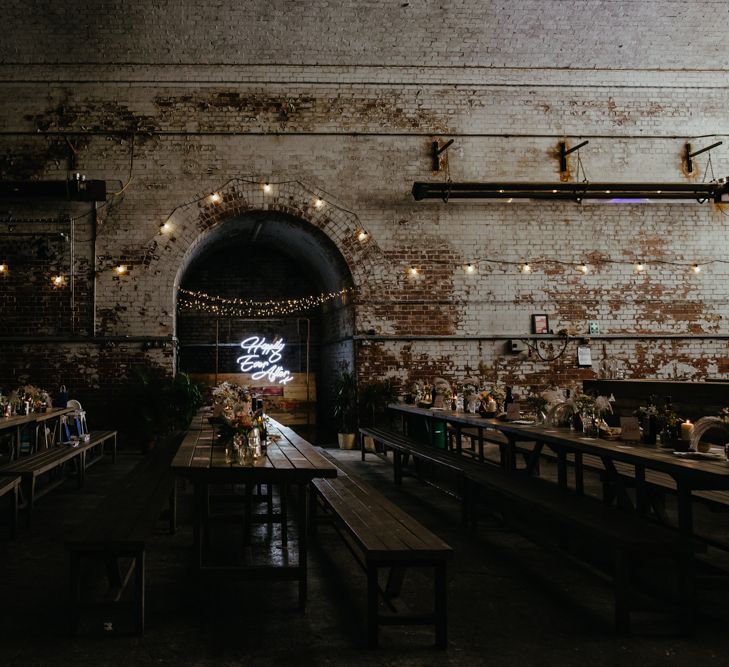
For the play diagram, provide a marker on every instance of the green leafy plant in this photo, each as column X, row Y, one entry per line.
column 345, row 401
column 160, row 404
column 374, row 397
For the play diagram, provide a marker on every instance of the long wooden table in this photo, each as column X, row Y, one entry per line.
column 689, row 474
column 17, row 422
column 290, row 460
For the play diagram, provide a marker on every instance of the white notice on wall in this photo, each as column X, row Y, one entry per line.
column 261, row 360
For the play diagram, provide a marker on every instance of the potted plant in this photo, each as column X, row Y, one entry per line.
column 345, row 408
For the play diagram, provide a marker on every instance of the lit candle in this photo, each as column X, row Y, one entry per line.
column 687, row 429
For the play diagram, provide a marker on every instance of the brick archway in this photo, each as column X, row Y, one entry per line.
column 190, row 223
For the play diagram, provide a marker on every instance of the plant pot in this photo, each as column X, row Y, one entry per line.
column 369, row 444
column 346, row 440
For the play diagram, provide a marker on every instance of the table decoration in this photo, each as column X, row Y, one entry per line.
column 471, row 398
column 240, row 435
column 705, row 424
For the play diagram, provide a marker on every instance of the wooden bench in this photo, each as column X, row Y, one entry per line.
column 533, row 505
column 98, row 441
column 403, row 447
column 116, row 535
column 49, row 461
column 544, row 512
column 381, row 535
column 9, row 486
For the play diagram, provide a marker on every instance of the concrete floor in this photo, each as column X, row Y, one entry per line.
column 511, row 603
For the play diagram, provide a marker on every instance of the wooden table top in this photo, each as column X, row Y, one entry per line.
column 33, row 417
column 702, row 472
column 289, row 458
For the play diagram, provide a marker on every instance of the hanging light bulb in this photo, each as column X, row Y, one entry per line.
column 526, row 268
column 470, row 268
column 267, row 187
column 58, row 280
column 3, row 269
column 413, row 271
column 584, row 268
column 166, row 227
column 318, row 202
column 121, row 269
column 362, row 236
column 639, row 267
column 696, row 268
column 215, row 198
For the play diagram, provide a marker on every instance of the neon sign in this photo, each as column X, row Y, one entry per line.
column 261, row 360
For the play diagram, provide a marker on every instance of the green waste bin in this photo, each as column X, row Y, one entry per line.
column 439, row 434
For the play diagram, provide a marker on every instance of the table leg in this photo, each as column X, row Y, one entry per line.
column 303, row 530
column 284, row 498
column 533, row 461
column 247, row 513
column 685, row 509
column 14, row 512
column 459, row 440
column 480, row 444
column 641, row 491
column 579, row 474
column 200, row 491
column 562, row 468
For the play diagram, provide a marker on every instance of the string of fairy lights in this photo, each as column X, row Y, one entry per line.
column 319, row 201
column 202, row 302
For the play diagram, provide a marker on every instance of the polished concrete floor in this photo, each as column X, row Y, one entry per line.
column 511, row 603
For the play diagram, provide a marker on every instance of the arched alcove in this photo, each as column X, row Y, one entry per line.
column 261, row 256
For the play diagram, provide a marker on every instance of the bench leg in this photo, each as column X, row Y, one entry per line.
column 372, row 605
column 685, row 564
column 113, row 574
column 139, row 591
column 362, row 445
column 397, row 466
column 173, row 508
column 30, row 500
column 74, row 592
column 621, row 584
column 441, row 611
column 313, row 509
column 303, row 525
column 14, row 512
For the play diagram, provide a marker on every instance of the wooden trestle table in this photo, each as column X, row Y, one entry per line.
column 688, row 474
column 290, row 460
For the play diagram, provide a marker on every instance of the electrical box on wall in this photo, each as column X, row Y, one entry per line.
column 593, row 328
column 515, row 346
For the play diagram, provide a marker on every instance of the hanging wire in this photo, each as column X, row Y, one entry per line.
column 131, row 169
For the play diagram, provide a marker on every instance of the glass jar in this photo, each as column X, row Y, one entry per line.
column 254, row 443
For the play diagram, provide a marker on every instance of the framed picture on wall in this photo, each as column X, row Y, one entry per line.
column 584, row 356
column 540, row 324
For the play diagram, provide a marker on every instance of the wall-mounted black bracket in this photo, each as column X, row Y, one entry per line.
column 564, row 152
column 691, row 155
column 436, row 150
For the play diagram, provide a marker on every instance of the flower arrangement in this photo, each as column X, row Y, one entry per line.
column 490, row 401
column 226, row 392
column 471, row 398
column 28, row 398
column 584, row 404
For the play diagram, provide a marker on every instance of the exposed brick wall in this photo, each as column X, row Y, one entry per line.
column 233, row 103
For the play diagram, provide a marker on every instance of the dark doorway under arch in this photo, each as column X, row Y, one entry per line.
column 265, row 256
